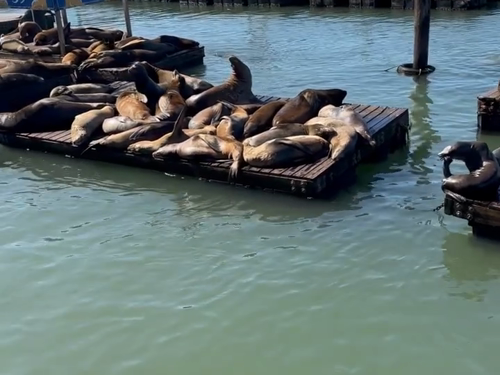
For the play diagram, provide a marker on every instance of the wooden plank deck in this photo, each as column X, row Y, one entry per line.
column 488, row 110
column 389, row 127
column 483, row 217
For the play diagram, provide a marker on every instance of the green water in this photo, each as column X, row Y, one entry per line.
column 113, row 270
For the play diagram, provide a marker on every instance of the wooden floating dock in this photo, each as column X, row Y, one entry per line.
column 483, row 217
column 9, row 21
column 389, row 127
column 367, row 4
column 488, row 110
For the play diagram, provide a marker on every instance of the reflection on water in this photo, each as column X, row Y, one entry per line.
column 116, row 270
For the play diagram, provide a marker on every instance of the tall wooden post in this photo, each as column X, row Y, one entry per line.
column 60, row 32
column 422, row 29
column 127, row 17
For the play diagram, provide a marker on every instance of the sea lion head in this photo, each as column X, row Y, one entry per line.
column 333, row 96
column 241, row 71
column 138, row 70
column 458, row 151
column 60, row 90
column 29, row 28
column 40, row 39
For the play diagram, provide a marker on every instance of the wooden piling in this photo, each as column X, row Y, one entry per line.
column 488, row 110
column 422, row 30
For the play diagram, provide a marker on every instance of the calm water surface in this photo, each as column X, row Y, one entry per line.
column 114, row 270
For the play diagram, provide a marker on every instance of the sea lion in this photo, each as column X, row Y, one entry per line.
column 49, row 114
column 120, row 59
column 204, row 146
column 237, row 89
column 484, row 179
column 16, row 46
column 100, row 46
column 180, row 43
column 149, row 45
column 193, row 85
column 41, row 69
column 51, row 36
column 127, row 40
column 285, row 152
column 132, row 104
column 118, row 124
column 75, row 57
column 80, row 43
column 88, row 98
column 28, row 30
column 232, row 126
column 350, row 116
column 306, row 105
column 122, row 140
column 86, row 123
column 81, row 88
column 169, row 105
column 146, row 85
column 262, row 118
column 10, row 81
column 209, row 116
column 101, row 34
column 282, row 131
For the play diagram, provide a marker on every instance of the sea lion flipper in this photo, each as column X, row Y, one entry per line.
column 94, row 143
column 143, row 98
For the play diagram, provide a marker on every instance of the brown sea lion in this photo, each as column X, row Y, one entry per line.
column 81, row 88
column 132, row 104
column 181, row 43
column 170, row 105
column 88, row 98
column 28, row 30
column 350, row 116
column 122, row 140
column 118, row 124
column 87, row 123
column 484, row 178
column 282, row 131
column 232, row 126
column 50, row 114
column 100, row 46
column 80, row 43
column 127, row 40
column 237, row 89
column 16, row 46
column 51, row 36
column 262, row 118
column 307, row 104
column 41, row 69
column 209, row 116
column 204, row 146
column 164, row 77
column 75, row 57
column 9, row 81
column 119, row 59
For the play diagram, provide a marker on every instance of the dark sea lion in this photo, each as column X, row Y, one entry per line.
column 262, row 119
column 146, row 85
column 101, row 34
column 81, row 88
column 118, row 124
column 75, row 57
column 132, row 104
column 28, row 30
column 51, row 36
column 281, row 131
column 204, row 146
column 170, row 105
column 307, row 104
column 45, row 115
column 209, row 116
column 41, row 69
column 350, row 116
column 10, row 81
column 232, row 126
column 87, row 123
column 285, row 152
column 484, row 179
column 181, row 43
column 237, row 89
column 120, row 59
column 80, row 43
column 149, row 45
column 164, row 77
column 88, row 98
column 127, row 40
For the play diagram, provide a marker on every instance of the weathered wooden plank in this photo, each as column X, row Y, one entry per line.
column 488, row 110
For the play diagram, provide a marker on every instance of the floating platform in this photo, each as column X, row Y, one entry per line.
column 9, row 21
column 389, row 127
column 483, row 217
column 488, row 110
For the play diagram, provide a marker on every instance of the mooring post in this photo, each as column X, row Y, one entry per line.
column 422, row 30
column 64, row 17
column 60, row 32
column 127, row 17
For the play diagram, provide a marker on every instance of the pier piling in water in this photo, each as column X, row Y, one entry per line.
column 422, row 30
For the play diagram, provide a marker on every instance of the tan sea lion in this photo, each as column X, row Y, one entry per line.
column 51, row 36
column 45, row 115
column 81, row 88
column 482, row 182
column 209, row 116
column 281, row 131
column 307, row 104
column 262, row 118
column 232, row 126
column 120, row 59
column 237, row 89
column 350, row 116
column 118, row 124
column 28, row 30
column 132, row 104
column 75, row 57
column 170, row 105
column 204, row 146
column 86, row 123
column 100, row 46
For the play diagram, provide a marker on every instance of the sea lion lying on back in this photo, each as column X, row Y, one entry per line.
column 484, row 179
column 237, row 89
column 307, row 104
